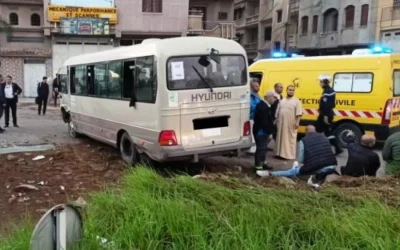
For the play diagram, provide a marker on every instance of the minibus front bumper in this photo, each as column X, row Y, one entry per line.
column 179, row 153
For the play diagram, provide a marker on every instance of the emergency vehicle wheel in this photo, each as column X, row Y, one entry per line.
column 129, row 153
column 347, row 133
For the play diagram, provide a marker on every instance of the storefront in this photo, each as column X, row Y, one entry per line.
column 26, row 66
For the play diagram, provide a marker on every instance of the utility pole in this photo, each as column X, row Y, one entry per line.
column 287, row 25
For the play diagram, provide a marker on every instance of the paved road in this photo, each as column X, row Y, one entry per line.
column 50, row 129
column 35, row 129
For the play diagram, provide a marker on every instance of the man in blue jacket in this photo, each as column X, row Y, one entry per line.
column 254, row 97
column 327, row 105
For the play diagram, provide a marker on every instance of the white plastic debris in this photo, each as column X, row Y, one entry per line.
column 40, row 157
column 62, row 188
column 104, row 242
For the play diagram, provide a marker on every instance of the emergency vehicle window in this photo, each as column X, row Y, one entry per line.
column 353, row 82
column 396, row 83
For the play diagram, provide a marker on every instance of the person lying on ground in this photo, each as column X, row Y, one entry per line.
column 362, row 160
column 262, row 129
column 316, row 154
column 391, row 154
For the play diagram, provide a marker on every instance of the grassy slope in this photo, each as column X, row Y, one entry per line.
column 151, row 212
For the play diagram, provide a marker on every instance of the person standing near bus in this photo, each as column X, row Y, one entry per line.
column 254, row 101
column 278, row 88
column 43, row 95
column 2, row 99
column 11, row 91
column 262, row 129
column 327, row 105
column 55, row 90
column 289, row 113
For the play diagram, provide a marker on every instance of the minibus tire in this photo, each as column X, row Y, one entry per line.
column 344, row 128
column 127, row 148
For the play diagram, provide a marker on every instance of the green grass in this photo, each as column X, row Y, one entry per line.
column 151, row 212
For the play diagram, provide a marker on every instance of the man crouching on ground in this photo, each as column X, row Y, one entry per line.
column 316, row 154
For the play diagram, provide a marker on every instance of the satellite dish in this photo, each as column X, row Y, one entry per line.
column 60, row 228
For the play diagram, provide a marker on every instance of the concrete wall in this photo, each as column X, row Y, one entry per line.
column 343, row 36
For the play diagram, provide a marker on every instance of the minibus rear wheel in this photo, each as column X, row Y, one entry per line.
column 347, row 133
column 129, row 153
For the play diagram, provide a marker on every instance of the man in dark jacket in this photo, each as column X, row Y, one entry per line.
column 362, row 160
column 11, row 91
column 2, row 100
column 55, row 90
column 316, row 154
column 263, row 127
column 43, row 95
column 327, row 105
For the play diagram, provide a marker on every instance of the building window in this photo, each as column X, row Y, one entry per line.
column 35, row 20
column 152, row 6
column 267, row 33
column 114, row 80
column 364, row 15
column 353, row 82
column 222, row 15
column 315, row 24
column 331, row 18
column 238, row 14
column 279, row 16
column 304, row 25
column 396, row 3
column 145, row 82
column 349, row 13
column 13, row 19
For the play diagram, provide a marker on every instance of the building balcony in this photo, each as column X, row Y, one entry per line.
column 251, row 20
column 390, row 17
column 251, row 46
column 196, row 26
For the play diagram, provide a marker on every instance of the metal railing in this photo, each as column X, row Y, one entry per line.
column 252, row 19
column 211, row 28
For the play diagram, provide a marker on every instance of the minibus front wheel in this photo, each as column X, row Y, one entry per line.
column 347, row 133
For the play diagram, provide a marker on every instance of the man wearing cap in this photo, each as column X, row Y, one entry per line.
column 43, row 95
column 327, row 105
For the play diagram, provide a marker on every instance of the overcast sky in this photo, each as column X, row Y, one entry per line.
column 84, row 3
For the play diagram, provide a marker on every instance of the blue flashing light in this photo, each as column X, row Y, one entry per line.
column 279, row 55
column 381, row 49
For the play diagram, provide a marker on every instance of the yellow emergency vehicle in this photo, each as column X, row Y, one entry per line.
column 367, row 90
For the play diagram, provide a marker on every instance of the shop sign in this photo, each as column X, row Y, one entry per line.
column 25, row 52
column 85, row 26
column 56, row 12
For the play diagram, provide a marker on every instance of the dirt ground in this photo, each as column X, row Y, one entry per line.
column 78, row 167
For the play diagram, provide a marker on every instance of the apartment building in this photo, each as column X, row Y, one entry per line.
column 84, row 27
column 211, row 18
column 388, row 26
column 338, row 27
column 263, row 26
column 25, row 54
